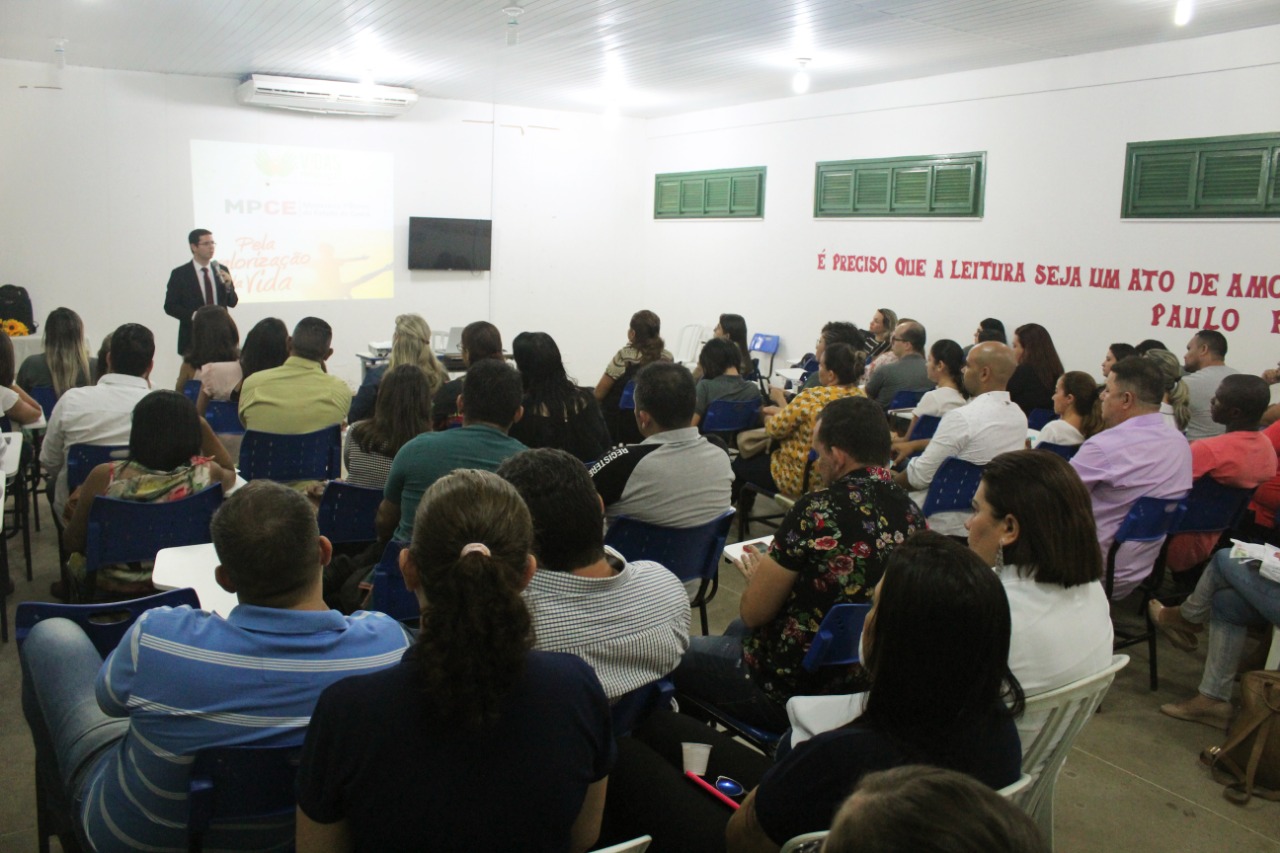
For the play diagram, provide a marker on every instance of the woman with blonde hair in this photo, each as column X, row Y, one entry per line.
column 65, row 362
column 1176, row 407
column 410, row 344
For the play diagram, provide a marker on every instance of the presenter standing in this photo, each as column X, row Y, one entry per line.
column 202, row 282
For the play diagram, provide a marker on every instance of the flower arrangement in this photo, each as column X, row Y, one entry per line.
column 15, row 328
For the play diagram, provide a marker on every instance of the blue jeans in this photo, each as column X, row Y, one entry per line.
column 59, row 665
column 1232, row 596
column 712, row 669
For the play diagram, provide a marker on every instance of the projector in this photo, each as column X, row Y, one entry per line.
column 380, row 349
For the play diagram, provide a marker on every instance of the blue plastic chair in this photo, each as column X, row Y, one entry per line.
column 241, row 784
column 191, row 389
column 347, row 512
column 632, row 709
column 1212, row 507
column 628, row 398
column 390, row 595
column 124, row 531
column 105, row 623
column 1148, row 520
column 953, row 486
column 83, row 458
column 926, row 426
column 286, row 458
column 905, row 400
column 224, row 417
column 47, row 397
column 768, row 345
column 731, row 416
column 690, row 553
column 1066, row 451
column 836, row 642
column 1037, row 418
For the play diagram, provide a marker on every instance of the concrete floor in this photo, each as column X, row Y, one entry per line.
column 1132, row 783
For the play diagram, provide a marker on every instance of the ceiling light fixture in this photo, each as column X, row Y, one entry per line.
column 1183, row 11
column 513, row 33
column 800, row 80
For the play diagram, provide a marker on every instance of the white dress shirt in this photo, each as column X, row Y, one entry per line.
column 990, row 424
column 94, row 414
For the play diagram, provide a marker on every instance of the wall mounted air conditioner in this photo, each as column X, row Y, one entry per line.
column 325, row 96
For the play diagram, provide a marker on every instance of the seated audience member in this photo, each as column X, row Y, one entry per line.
column 908, row 372
column 675, row 477
column 496, row 746
column 15, row 403
column 489, row 407
column 557, row 413
column 185, row 680
column 480, row 341
column 835, row 332
column 946, row 371
column 215, row 343
column 164, row 464
column 920, row 809
column 990, row 424
column 265, row 347
column 644, row 346
column 721, row 380
column 1232, row 596
column 629, row 620
column 1204, row 360
column 299, row 396
column 65, row 362
column 99, row 414
column 1149, row 344
column 1115, row 353
column 410, row 344
column 1242, row 458
column 402, row 412
column 1266, row 499
column 936, row 647
column 100, row 362
column 733, row 328
column 791, row 426
column 1032, row 383
column 1136, row 456
column 1175, row 406
column 989, row 329
column 883, row 322
column 1076, row 403
column 829, row 549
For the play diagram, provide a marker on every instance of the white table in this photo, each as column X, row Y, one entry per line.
column 26, row 345
column 193, row 565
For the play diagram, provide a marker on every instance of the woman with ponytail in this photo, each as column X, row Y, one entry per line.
column 475, row 740
column 644, row 345
column 1077, row 403
column 1176, row 406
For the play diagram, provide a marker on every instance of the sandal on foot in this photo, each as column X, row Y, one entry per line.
column 1178, row 636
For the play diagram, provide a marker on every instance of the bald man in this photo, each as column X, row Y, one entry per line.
column 990, row 424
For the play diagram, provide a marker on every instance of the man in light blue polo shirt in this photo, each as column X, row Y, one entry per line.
column 115, row 740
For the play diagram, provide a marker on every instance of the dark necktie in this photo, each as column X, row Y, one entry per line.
column 208, row 287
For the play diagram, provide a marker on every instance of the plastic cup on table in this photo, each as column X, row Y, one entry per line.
column 695, row 757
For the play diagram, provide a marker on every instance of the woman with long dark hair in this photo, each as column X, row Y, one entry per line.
column 65, row 362
column 1078, row 407
column 733, row 328
column 557, row 412
column 644, row 345
column 1032, row 383
column 497, row 746
column 722, row 379
column 402, row 411
column 266, row 346
column 214, row 340
column 1115, row 353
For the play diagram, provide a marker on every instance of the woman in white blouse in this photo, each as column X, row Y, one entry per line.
column 945, row 365
column 1076, row 403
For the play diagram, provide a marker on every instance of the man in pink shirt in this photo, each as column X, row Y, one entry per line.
column 1242, row 457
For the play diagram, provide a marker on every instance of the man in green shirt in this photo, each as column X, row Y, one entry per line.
column 299, row 396
column 490, row 403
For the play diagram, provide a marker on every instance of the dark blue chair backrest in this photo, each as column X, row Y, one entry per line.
column 1150, row 519
column 46, row 397
column 123, row 531
column 224, row 417
column 764, row 343
column 240, row 784
column 691, row 553
column 953, row 486
column 1066, row 451
column 104, row 623
column 191, row 389
column 631, row 709
column 1212, row 507
column 1037, row 418
column 628, row 398
column 83, row 458
column 731, row 416
column 837, row 639
column 347, row 512
column 905, row 400
column 284, row 458
column 926, row 426
column 390, row 596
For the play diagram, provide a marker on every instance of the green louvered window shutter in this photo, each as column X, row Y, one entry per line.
column 1220, row 176
column 935, row 185
column 715, row 194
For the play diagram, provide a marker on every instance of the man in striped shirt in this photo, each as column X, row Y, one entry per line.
column 630, row 621
column 185, row 680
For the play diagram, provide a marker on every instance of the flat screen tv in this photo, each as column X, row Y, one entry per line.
column 449, row 244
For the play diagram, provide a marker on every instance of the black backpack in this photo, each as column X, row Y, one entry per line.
column 15, row 304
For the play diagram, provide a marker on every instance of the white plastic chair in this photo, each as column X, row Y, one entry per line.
column 1273, row 659
column 635, row 845
column 1066, row 711
column 810, row 842
column 1011, row 791
column 692, row 338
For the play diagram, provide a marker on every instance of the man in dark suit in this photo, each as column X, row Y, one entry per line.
column 204, row 281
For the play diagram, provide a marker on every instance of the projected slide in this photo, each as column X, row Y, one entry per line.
column 296, row 223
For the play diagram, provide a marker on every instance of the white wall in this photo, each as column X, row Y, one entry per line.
column 1074, row 115
column 96, row 180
